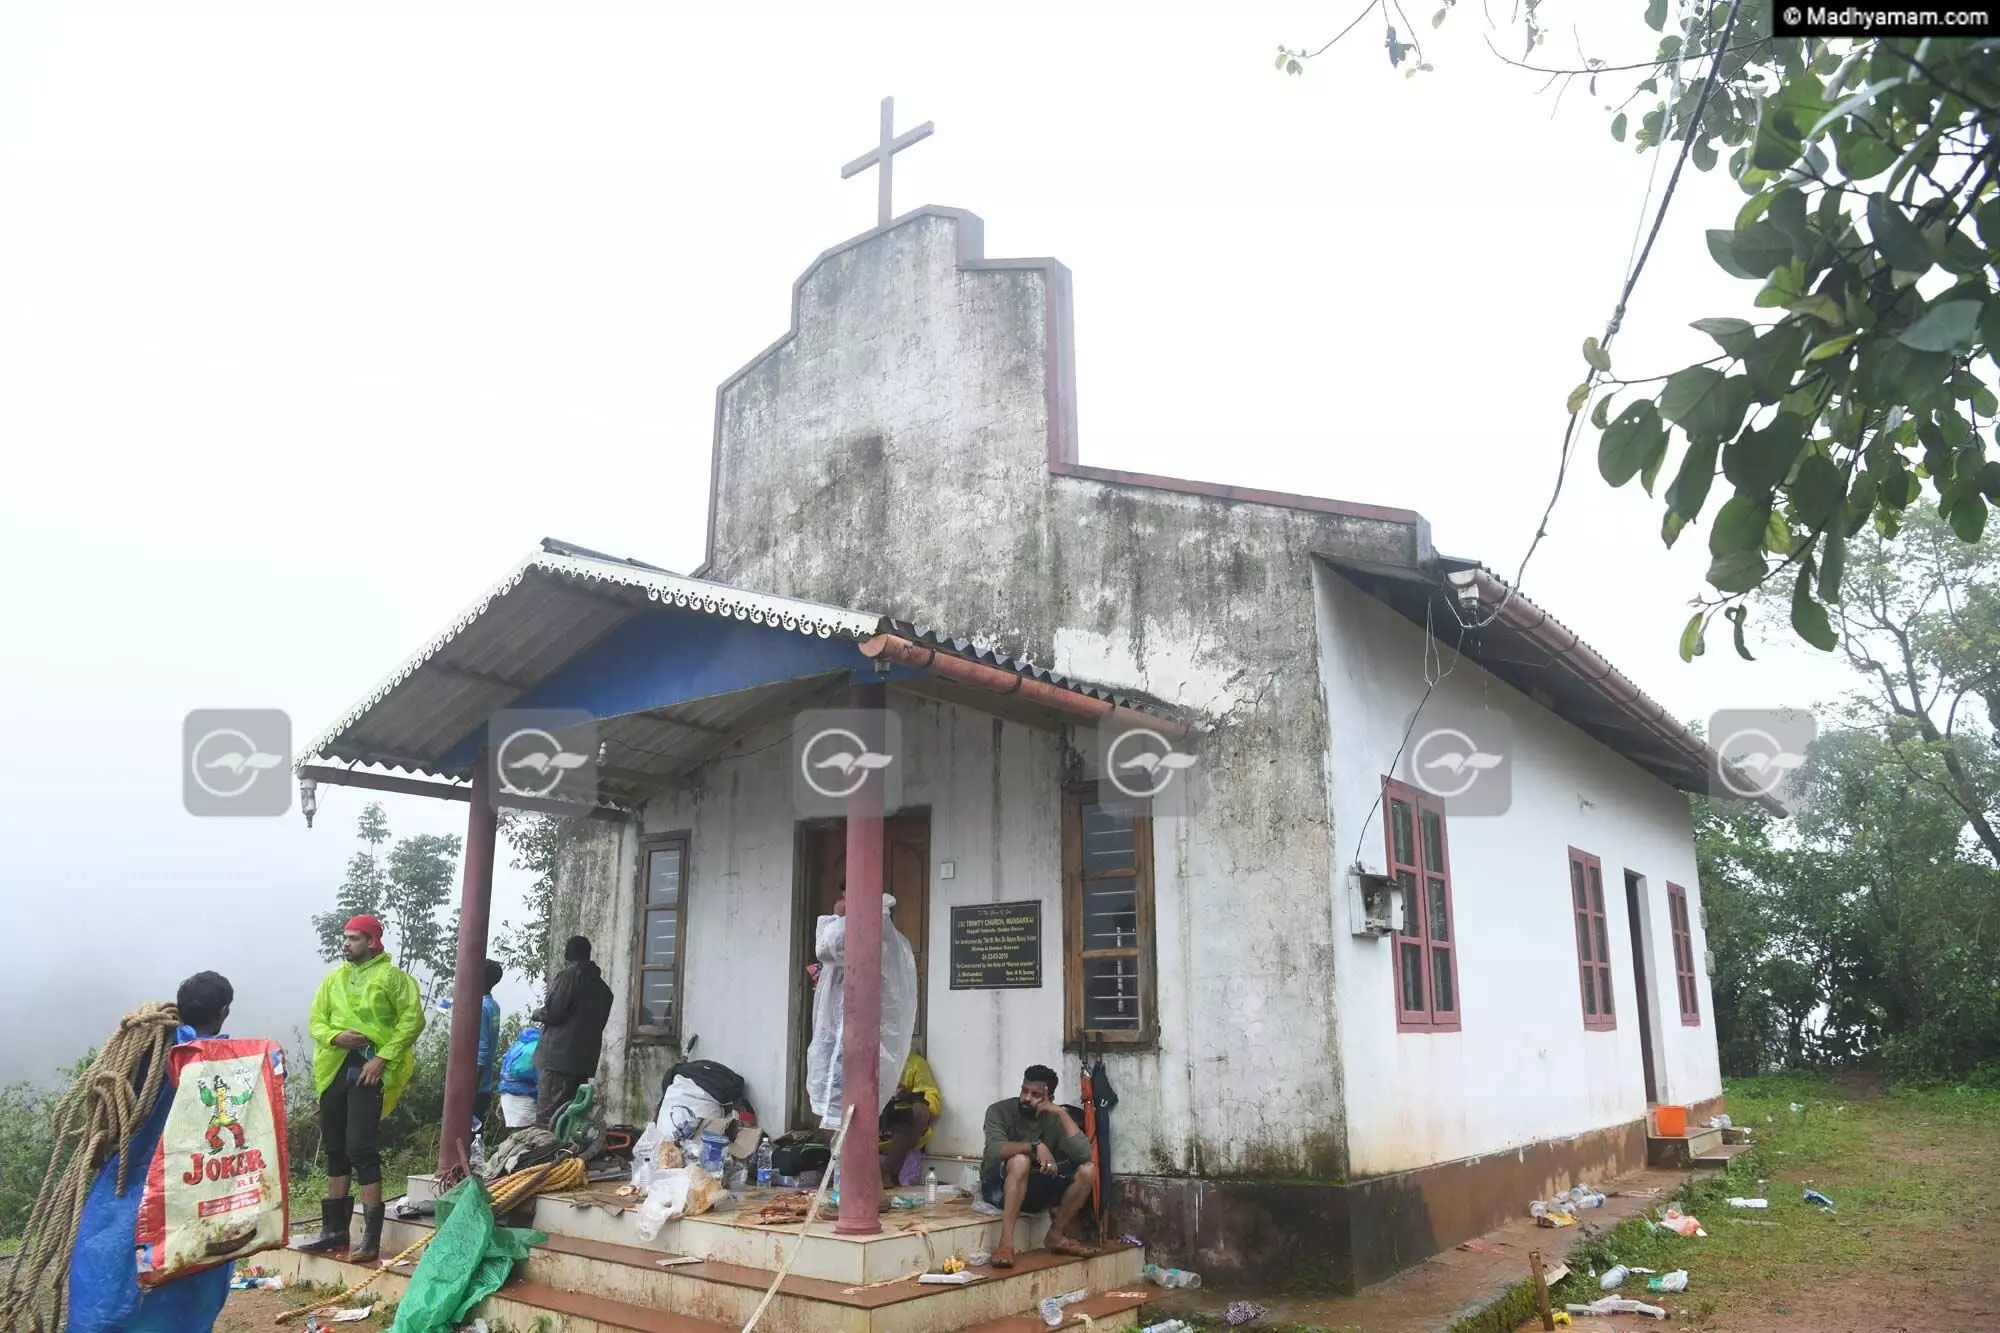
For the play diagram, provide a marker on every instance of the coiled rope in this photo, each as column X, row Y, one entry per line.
column 97, row 1117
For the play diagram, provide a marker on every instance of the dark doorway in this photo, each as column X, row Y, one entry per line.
column 1635, row 915
column 822, row 850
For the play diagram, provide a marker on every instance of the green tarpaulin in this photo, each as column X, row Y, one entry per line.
column 465, row 1262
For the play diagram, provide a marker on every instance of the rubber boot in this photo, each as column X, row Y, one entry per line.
column 370, row 1248
column 336, row 1217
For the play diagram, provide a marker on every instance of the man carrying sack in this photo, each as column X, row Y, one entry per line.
column 365, row 1022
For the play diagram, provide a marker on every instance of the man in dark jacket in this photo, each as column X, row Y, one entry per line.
column 572, row 1020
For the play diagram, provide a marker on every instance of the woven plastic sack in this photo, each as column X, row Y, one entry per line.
column 465, row 1262
column 216, row 1186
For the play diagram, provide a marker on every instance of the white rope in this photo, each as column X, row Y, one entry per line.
column 812, row 1215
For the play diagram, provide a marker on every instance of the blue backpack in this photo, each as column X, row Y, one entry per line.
column 517, row 1066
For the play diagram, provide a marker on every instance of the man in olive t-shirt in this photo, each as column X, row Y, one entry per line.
column 1036, row 1158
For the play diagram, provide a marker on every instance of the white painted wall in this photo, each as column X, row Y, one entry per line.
column 1243, row 1067
column 1522, row 1068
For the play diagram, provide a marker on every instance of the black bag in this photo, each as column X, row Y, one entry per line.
column 800, row 1156
column 717, row 1080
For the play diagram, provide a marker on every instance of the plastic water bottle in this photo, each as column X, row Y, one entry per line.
column 1674, row 1281
column 1613, row 1278
column 764, row 1172
column 930, row 1190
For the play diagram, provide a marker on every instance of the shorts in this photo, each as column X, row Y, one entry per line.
column 1044, row 1191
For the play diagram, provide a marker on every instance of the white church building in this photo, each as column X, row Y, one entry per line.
column 1411, row 936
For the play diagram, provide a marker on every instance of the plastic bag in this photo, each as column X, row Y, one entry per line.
column 684, row 1109
column 824, row 1057
column 666, row 1199
column 215, row 1189
column 1680, row 1223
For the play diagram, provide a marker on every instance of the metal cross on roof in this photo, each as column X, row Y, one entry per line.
column 883, row 153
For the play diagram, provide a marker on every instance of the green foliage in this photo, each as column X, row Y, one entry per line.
column 405, row 889
column 1871, row 225
column 536, row 841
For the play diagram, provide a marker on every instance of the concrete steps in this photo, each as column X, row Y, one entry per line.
column 595, row 1284
column 1680, row 1152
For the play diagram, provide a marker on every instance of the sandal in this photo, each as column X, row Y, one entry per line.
column 1001, row 1261
column 1076, row 1249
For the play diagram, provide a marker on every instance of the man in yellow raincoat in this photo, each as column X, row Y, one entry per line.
column 908, row 1119
column 365, row 1022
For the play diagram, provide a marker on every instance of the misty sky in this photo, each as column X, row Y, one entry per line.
column 314, row 320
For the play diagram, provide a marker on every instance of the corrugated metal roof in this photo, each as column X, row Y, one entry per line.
column 553, row 607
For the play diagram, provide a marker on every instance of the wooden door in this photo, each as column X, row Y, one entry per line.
column 906, row 867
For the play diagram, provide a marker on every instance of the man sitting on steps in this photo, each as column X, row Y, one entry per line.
column 1036, row 1159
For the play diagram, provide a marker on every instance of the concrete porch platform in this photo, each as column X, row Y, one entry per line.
column 910, row 1241
column 1698, row 1147
column 624, row 1285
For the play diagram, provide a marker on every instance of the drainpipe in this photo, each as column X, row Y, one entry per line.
column 903, row 652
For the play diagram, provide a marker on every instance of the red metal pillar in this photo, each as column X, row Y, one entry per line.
column 468, row 988
column 861, row 1027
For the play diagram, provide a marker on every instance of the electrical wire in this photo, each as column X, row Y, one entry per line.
column 1618, row 314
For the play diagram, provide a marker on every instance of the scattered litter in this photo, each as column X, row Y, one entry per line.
column 1244, row 1312
column 1652, row 1192
column 1749, row 1203
column 1796, row 1108
column 1551, row 1218
column 1681, row 1223
column 1129, row 1295
column 476, row 1326
column 1052, row 1308
column 1720, row 1122
column 1562, row 1317
column 353, row 1314
column 949, row 1279
column 1480, row 1247
column 1129, row 1239
column 1170, row 1277
column 1613, row 1276
column 952, row 1264
column 1642, row 1272
column 978, row 1258
column 257, row 1282
column 1814, row 1196
column 676, row 1260
column 1583, row 1196
column 1171, row 1326
column 1674, row 1281
column 984, row 1209
column 1742, row 1222
column 1618, row 1305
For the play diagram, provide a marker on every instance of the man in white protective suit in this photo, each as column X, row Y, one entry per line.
column 899, row 1011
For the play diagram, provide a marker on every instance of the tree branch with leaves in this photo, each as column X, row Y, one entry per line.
column 1871, row 225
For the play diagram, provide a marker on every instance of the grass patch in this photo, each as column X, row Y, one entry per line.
column 1905, row 1170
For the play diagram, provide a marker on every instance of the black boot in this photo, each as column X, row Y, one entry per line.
column 336, row 1216
column 370, row 1248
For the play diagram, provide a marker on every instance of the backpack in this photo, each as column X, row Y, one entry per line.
column 717, row 1080
column 518, row 1065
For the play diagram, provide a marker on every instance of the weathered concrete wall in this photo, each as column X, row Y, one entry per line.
column 895, row 454
column 596, row 883
column 1420, row 1098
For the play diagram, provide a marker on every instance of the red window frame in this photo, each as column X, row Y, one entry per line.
column 1593, row 941
column 1684, row 975
column 1426, row 958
